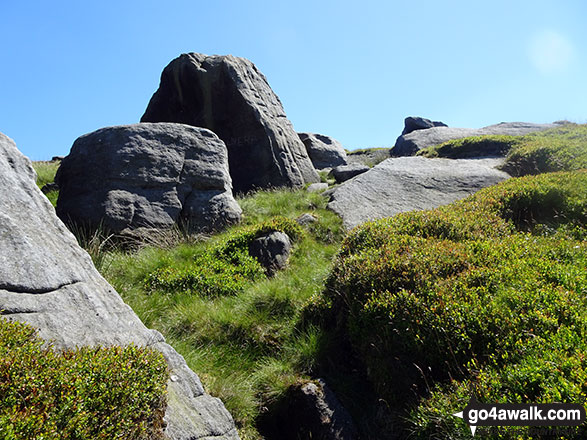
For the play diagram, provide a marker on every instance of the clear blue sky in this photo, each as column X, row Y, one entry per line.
column 349, row 69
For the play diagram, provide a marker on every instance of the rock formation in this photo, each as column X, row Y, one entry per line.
column 48, row 281
column 147, row 176
column 410, row 183
column 413, row 123
column 324, row 151
column 231, row 97
column 343, row 173
column 409, row 144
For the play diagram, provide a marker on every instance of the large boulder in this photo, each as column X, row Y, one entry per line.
column 147, row 176
column 409, row 144
column 413, row 123
column 48, row 281
column 324, row 151
column 231, row 97
column 410, row 183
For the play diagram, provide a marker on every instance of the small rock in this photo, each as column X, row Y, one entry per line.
column 413, row 123
column 57, row 158
column 306, row 219
column 346, row 172
column 50, row 187
column 272, row 251
column 317, row 187
column 310, row 411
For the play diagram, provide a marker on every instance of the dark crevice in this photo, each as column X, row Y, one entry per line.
column 25, row 289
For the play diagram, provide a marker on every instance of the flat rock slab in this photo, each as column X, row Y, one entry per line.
column 48, row 281
column 411, row 183
column 231, row 97
column 409, row 144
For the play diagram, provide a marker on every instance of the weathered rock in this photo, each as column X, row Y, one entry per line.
column 345, row 172
column 231, row 97
column 272, row 251
column 48, row 281
column 369, row 157
column 413, row 123
column 310, row 411
column 49, row 187
column 306, row 219
column 147, row 175
column 317, row 187
column 410, row 183
column 324, row 151
column 411, row 143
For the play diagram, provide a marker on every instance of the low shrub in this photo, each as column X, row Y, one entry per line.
column 562, row 148
column 224, row 268
column 466, row 299
column 87, row 393
column 475, row 146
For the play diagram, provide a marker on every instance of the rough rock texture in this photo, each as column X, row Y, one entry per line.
column 311, row 411
column 345, row 172
column 48, row 281
column 147, row 175
column 272, row 251
column 306, row 219
column 410, row 183
column 317, row 187
column 410, row 144
column 231, row 97
column 413, row 123
column 324, row 151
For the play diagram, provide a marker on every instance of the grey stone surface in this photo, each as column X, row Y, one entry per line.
column 311, row 411
column 317, row 187
column 410, row 144
column 149, row 176
column 231, row 97
column 413, row 123
column 324, row 151
column 48, row 281
column 345, row 172
column 272, row 250
column 306, row 219
column 410, row 183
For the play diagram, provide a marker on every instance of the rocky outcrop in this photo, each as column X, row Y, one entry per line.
column 48, row 281
column 231, row 97
column 409, row 144
column 410, row 183
column 147, row 176
column 310, row 411
column 413, row 123
column 345, row 172
column 271, row 250
column 324, row 151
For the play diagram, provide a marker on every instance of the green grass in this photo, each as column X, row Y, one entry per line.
column 83, row 394
column 248, row 345
column 559, row 149
column 46, row 174
column 484, row 297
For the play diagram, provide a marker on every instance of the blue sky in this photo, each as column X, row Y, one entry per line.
column 352, row 70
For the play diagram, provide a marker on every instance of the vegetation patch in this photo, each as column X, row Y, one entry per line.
column 46, row 174
column 484, row 297
column 87, row 393
column 224, row 268
column 559, row 149
column 249, row 346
